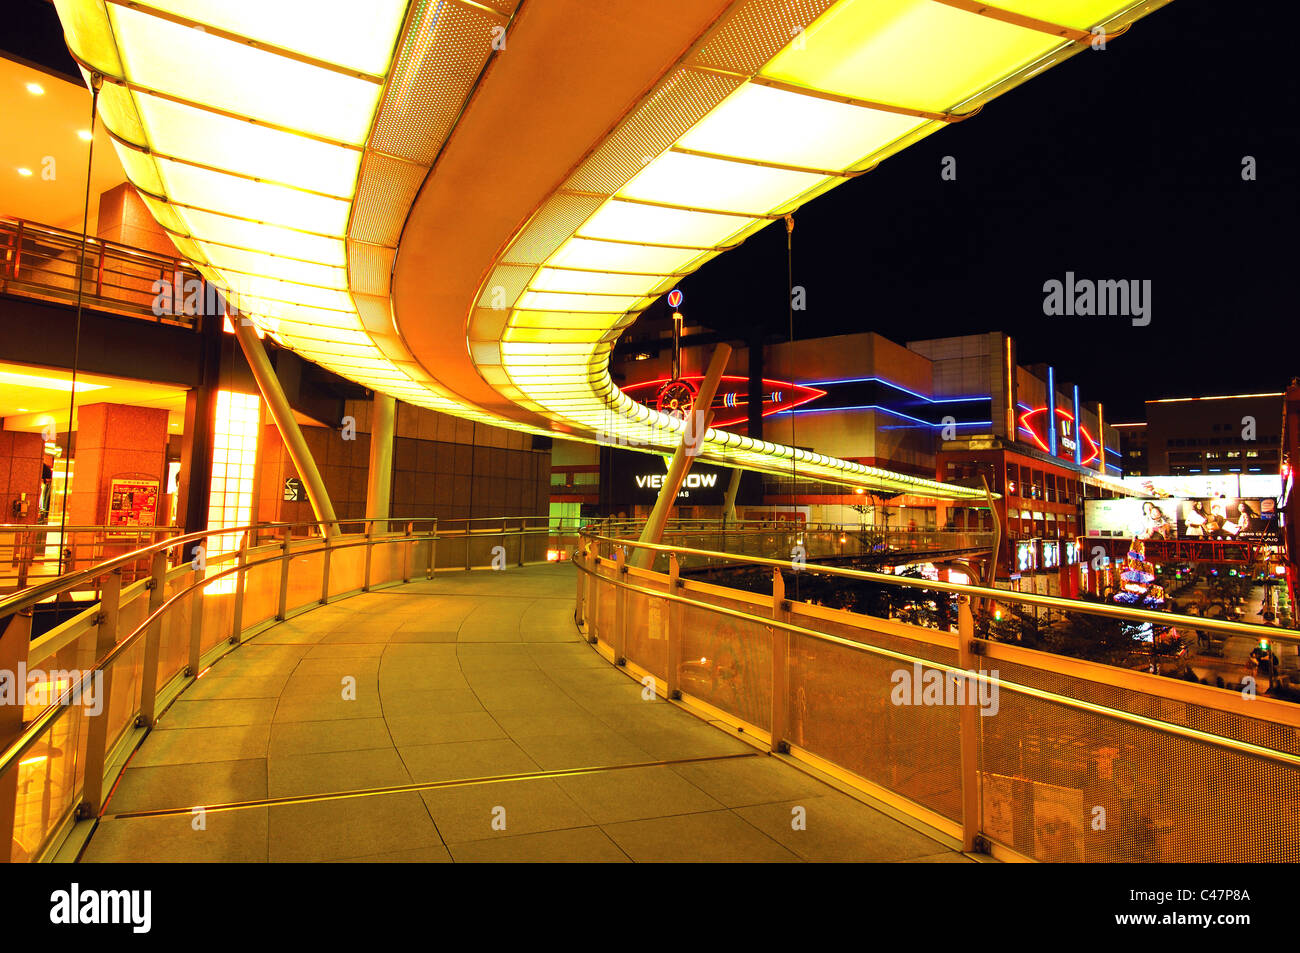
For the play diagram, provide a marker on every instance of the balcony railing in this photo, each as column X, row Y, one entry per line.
column 43, row 262
column 1006, row 749
column 96, row 682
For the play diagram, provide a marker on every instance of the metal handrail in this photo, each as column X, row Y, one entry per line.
column 1245, row 747
column 36, row 728
column 982, row 592
column 26, row 598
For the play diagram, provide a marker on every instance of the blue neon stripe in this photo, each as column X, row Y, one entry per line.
column 905, row 390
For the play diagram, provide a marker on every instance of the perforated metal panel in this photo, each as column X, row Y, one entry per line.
column 1064, row 785
column 435, row 69
column 385, row 191
column 657, row 123
column 369, row 268
column 757, row 31
column 553, row 224
column 841, row 709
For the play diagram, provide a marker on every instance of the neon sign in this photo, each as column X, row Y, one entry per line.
column 1033, row 421
column 731, row 405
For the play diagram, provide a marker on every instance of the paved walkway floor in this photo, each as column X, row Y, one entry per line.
column 460, row 678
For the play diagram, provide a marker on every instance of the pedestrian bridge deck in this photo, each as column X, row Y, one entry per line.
column 459, row 679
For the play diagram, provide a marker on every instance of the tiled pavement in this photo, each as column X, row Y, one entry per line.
column 462, row 677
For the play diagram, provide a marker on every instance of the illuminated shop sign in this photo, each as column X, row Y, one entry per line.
column 693, row 481
column 1076, row 440
column 636, row 479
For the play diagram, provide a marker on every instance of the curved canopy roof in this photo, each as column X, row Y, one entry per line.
column 462, row 203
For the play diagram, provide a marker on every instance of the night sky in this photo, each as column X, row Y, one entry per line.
column 1123, row 163
column 1118, row 163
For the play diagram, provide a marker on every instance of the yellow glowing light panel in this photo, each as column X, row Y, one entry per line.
column 234, row 462
column 265, row 207
column 865, row 79
column 262, row 207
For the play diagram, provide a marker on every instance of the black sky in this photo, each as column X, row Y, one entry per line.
column 1119, row 163
column 1123, row 163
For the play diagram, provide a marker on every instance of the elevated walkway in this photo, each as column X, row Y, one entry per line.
column 482, row 728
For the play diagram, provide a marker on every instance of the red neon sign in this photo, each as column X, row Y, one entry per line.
column 1091, row 451
column 731, row 405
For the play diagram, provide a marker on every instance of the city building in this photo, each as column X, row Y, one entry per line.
column 960, row 410
column 1240, row 433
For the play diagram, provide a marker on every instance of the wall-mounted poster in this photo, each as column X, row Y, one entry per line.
column 132, row 503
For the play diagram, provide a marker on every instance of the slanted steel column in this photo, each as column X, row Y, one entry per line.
column 379, row 482
column 278, row 404
column 697, row 424
column 729, row 501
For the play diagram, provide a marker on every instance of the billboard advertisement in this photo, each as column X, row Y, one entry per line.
column 1132, row 519
column 1227, row 518
column 1213, row 517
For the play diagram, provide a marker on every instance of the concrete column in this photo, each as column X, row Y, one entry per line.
column 282, row 413
column 379, row 481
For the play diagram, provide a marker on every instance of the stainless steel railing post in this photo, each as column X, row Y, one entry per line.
column 325, row 572
column 676, row 613
column 286, row 544
column 97, row 736
column 370, row 549
column 237, row 610
column 969, row 721
column 780, row 664
column 153, row 641
column 620, row 608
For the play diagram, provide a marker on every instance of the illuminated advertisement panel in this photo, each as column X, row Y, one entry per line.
column 1226, row 518
column 1027, row 556
column 1132, row 519
column 1051, row 554
column 1219, row 517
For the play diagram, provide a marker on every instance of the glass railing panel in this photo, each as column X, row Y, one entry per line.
column 48, row 783
column 386, row 562
column 347, row 568
column 174, row 647
column 305, row 570
column 261, row 587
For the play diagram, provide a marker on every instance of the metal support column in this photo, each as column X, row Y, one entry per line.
column 282, row 413
column 729, row 501
column 697, row 424
column 379, row 480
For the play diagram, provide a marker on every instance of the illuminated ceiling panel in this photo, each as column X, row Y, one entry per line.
column 918, row 54
column 866, row 78
column 283, row 148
